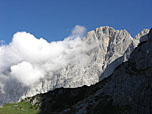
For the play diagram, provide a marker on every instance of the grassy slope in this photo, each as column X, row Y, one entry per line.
column 23, row 107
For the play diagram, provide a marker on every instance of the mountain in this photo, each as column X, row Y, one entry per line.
column 108, row 48
column 128, row 90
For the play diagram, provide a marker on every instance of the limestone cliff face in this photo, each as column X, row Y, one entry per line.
column 108, row 49
column 128, row 90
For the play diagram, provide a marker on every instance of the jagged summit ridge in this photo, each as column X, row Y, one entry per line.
column 142, row 33
column 109, row 48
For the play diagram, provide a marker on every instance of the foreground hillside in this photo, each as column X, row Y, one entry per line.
column 23, row 107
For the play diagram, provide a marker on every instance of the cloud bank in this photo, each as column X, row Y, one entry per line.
column 28, row 59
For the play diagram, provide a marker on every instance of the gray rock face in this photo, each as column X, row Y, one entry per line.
column 109, row 48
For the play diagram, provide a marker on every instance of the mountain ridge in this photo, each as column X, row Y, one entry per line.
column 109, row 48
column 127, row 90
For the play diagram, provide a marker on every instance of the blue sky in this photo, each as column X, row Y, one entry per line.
column 54, row 19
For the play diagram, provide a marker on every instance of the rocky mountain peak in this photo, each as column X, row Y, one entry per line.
column 142, row 33
column 107, row 49
column 142, row 36
column 128, row 90
column 107, row 31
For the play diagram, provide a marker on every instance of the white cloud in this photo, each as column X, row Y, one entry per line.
column 2, row 42
column 26, row 73
column 29, row 59
column 79, row 30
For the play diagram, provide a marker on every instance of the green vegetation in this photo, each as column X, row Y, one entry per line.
column 22, row 107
